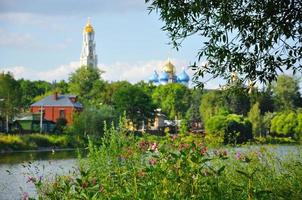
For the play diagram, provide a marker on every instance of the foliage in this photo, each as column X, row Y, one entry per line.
column 232, row 128
column 31, row 89
column 9, row 95
column 61, row 124
column 91, row 121
column 237, row 130
column 110, row 89
column 286, row 90
column 256, row 119
column 287, row 124
column 236, row 98
column 193, row 114
column 35, row 141
column 211, row 104
column 135, row 102
column 173, row 99
column 176, row 167
column 257, row 39
column 86, row 83
column 267, row 122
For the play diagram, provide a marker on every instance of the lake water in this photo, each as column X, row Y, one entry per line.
column 15, row 168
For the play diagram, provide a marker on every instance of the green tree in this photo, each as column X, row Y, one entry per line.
column 286, row 91
column 236, row 98
column 135, row 102
column 61, row 87
column 92, row 120
column 9, row 96
column 254, row 38
column 193, row 114
column 29, row 90
column 212, row 103
column 110, row 89
column 286, row 124
column 84, row 82
column 256, row 119
column 173, row 99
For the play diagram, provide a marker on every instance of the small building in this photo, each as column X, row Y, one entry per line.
column 57, row 106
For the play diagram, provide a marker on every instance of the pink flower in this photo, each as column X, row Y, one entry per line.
column 152, row 161
column 84, row 184
column 143, row 145
column 174, row 137
column 25, row 196
column 203, row 151
column 153, row 147
column 93, row 181
column 238, row 155
column 31, row 179
column 101, row 189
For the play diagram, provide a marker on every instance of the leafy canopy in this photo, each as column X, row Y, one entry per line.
column 257, row 39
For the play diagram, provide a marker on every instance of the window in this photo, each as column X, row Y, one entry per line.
column 62, row 113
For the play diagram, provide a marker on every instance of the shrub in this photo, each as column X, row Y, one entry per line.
column 91, row 121
column 232, row 128
column 287, row 124
column 61, row 124
column 126, row 167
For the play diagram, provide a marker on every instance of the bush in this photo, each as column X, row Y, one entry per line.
column 287, row 124
column 125, row 167
column 61, row 124
column 91, row 121
column 232, row 128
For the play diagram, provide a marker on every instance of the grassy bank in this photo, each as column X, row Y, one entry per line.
column 37, row 141
column 176, row 167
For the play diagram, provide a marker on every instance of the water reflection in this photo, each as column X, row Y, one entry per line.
column 15, row 169
column 19, row 157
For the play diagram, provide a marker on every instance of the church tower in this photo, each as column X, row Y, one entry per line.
column 88, row 54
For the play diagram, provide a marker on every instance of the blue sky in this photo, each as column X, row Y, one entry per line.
column 42, row 39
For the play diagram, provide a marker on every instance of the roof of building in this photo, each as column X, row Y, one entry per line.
column 183, row 77
column 164, row 76
column 169, row 68
column 154, row 77
column 62, row 100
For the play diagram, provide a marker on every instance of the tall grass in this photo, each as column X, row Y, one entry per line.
column 176, row 167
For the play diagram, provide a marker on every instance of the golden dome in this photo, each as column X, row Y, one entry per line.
column 88, row 28
column 169, row 68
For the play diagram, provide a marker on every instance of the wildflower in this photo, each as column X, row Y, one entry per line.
column 152, row 161
column 25, row 196
column 174, row 137
column 101, row 189
column 183, row 146
column 203, row 151
column 141, row 174
column 221, row 153
column 31, row 179
column 84, row 184
column 93, row 181
column 238, row 155
column 153, row 147
column 143, row 145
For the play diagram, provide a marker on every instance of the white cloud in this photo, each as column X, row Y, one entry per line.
column 129, row 71
column 23, row 40
column 58, row 73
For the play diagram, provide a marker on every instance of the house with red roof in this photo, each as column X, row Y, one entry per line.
column 57, row 106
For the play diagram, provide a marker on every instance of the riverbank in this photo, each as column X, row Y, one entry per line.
column 39, row 142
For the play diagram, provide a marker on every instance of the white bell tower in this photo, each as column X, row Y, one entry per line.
column 88, row 54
